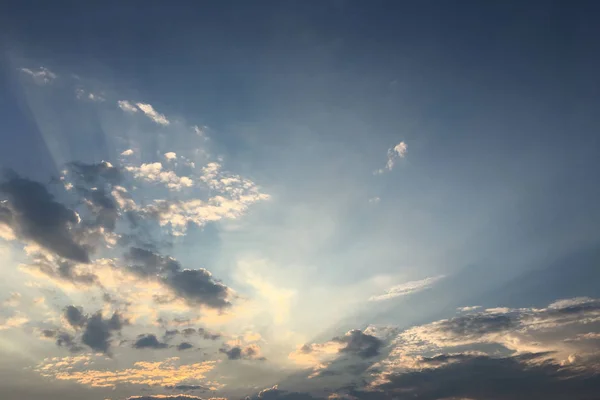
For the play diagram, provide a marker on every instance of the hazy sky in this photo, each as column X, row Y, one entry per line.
column 299, row 200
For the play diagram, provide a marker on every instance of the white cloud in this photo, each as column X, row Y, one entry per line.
column 407, row 288
column 42, row 76
column 374, row 200
column 468, row 308
column 153, row 114
column 170, row 155
column 83, row 95
column 127, row 152
column 15, row 321
column 127, row 106
column 398, row 151
column 154, row 172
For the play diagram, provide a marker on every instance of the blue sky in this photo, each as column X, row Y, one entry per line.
column 299, row 199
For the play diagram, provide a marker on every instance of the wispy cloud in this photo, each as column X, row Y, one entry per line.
column 153, row 114
column 127, row 106
column 407, row 288
column 41, row 76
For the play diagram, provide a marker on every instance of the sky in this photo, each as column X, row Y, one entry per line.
column 299, row 200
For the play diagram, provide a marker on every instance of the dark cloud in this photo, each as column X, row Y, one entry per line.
column 238, row 353
column 98, row 331
column 187, row 388
column 360, row 344
column 275, row 393
column 184, row 346
column 234, row 353
column 477, row 324
column 33, row 214
column 148, row 341
column 64, row 339
column 96, row 173
column 206, row 334
column 196, row 286
column 483, row 377
column 48, row 333
column 165, row 397
column 75, row 317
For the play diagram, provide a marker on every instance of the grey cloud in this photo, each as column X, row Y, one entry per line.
column 206, row 334
column 99, row 331
column 360, row 344
column 33, row 214
column 60, row 269
column 75, row 317
column 96, row 173
column 195, row 286
column 148, row 341
column 187, row 388
column 184, row 346
column 234, row 353
column 64, row 339
column 165, row 397
column 483, row 377
column 477, row 324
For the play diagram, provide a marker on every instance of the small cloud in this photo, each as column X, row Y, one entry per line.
column 468, row 308
column 148, row 341
column 407, row 288
column 393, row 154
column 41, row 76
column 127, row 106
column 184, row 346
column 83, row 95
column 171, row 155
column 153, row 114
column 127, row 152
column 374, row 200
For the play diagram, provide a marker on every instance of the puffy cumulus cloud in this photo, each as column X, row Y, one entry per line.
column 41, row 76
column 171, row 155
column 250, row 352
column 148, row 341
column 196, row 286
column 98, row 331
column 407, row 288
column 32, row 214
column 393, row 154
column 169, row 372
column 153, row 114
column 127, row 152
column 127, row 106
column 154, row 172
column 232, row 197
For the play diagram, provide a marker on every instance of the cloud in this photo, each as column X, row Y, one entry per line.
column 127, row 106
column 127, row 152
column 41, row 76
column 374, row 200
column 166, row 397
column 85, row 95
column 184, row 346
column 152, row 114
column 58, row 270
column 196, row 286
column 169, row 372
column 407, row 288
column 75, row 316
column 360, row 344
column 148, row 341
column 154, row 172
column 171, row 155
column 393, row 154
column 13, row 300
column 15, row 321
column 32, row 213
column 249, row 352
column 484, row 377
column 468, row 308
